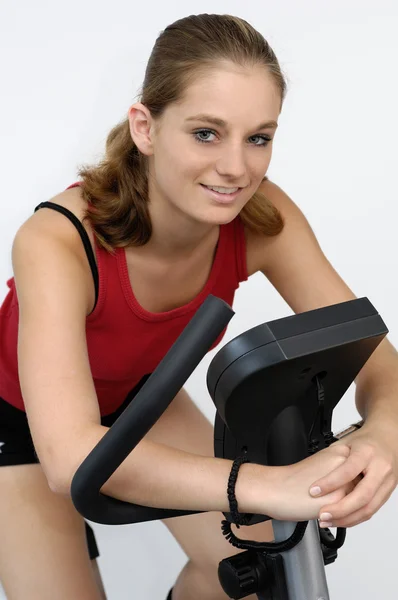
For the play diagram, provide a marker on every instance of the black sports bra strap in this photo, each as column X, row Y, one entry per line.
column 85, row 239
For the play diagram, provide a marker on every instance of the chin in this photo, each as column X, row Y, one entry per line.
column 220, row 216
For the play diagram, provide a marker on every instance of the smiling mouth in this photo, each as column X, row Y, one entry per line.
column 211, row 187
column 222, row 197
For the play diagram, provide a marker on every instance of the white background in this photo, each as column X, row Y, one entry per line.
column 69, row 72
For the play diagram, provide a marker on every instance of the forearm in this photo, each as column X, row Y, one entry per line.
column 159, row 476
column 376, row 395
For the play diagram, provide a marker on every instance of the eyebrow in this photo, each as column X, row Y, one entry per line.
column 222, row 123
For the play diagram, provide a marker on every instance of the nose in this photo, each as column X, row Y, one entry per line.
column 231, row 163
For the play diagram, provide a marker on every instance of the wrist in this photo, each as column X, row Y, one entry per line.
column 255, row 488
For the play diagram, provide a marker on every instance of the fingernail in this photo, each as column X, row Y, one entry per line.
column 315, row 491
column 326, row 517
column 325, row 524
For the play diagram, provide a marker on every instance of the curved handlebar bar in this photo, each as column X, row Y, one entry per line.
column 138, row 418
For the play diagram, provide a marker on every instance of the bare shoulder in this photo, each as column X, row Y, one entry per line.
column 293, row 261
column 51, row 224
column 258, row 245
column 73, row 200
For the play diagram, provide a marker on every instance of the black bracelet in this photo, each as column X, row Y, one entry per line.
column 236, row 517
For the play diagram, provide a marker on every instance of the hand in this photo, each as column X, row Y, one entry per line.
column 290, row 500
column 373, row 457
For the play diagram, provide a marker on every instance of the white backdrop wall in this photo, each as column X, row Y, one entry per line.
column 69, row 72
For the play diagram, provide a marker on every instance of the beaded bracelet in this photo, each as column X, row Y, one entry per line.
column 237, row 518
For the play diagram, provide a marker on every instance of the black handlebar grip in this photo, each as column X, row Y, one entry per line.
column 138, row 418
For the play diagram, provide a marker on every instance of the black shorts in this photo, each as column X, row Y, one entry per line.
column 16, row 445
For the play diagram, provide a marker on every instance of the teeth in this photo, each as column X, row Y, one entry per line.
column 222, row 190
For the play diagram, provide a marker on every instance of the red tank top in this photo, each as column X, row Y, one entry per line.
column 125, row 341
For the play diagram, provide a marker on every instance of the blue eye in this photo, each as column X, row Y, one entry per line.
column 265, row 138
column 197, row 133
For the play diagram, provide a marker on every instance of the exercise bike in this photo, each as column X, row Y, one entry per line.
column 274, row 387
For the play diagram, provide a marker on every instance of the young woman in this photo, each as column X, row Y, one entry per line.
column 106, row 277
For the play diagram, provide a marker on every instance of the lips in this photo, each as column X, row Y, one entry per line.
column 221, row 186
column 219, row 196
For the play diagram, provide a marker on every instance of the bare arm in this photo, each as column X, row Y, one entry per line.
column 60, row 397
column 164, row 477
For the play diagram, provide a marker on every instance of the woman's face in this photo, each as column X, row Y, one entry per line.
column 191, row 151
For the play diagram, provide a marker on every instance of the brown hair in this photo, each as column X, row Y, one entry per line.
column 117, row 187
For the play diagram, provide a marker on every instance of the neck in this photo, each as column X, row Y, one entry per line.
column 176, row 235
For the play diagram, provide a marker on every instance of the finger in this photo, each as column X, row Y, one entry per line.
column 355, row 464
column 365, row 513
column 360, row 496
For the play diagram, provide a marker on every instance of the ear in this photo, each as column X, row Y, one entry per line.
column 141, row 128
